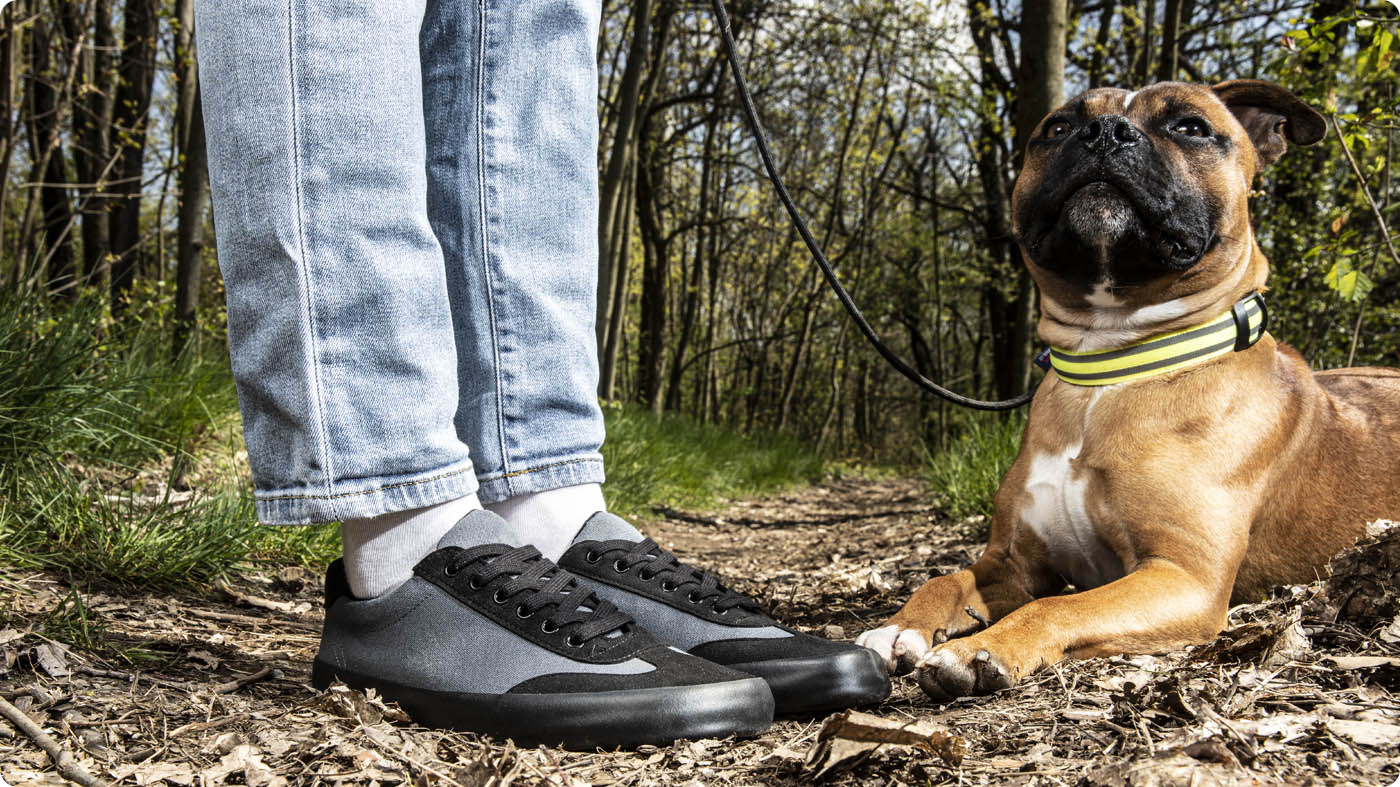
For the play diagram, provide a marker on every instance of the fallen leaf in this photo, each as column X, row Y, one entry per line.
column 51, row 659
column 847, row 737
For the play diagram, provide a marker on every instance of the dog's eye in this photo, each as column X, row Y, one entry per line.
column 1192, row 127
column 1058, row 129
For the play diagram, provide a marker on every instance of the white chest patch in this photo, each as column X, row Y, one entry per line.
column 1057, row 510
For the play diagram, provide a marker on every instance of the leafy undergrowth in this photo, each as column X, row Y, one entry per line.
column 124, row 464
column 965, row 475
column 676, row 460
column 212, row 689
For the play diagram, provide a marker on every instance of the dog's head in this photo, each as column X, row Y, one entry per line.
column 1130, row 199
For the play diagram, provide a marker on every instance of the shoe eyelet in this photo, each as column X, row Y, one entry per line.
column 646, row 576
column 692, row 598
column 522, row 614
column 549, row 627
column 725, row 612
column 498, row 598
column 667, row 586
column 573, row 641
column 619, row 566
column 592, row 557
column 449, row 571
column 475, row 584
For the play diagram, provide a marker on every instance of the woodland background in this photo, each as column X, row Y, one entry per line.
column 898, row 123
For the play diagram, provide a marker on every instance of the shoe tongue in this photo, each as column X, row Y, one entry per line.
column 603, row 526
column 477, row 528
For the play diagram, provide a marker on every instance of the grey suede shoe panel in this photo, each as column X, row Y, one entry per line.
column 604, row 526
column 676, row 627
column 417, row 635
column 477, row 528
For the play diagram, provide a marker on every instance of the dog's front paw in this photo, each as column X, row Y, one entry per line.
column 900, row 647
column 960, row 668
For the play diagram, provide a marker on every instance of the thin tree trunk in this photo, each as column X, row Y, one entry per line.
column 9, row 42
column 1096, row 61
column 611, row 186
column 691, row 301
column 92, row 113
column 131, row 111
column 50, row 170
column 189, row 126
column 621, row 273
column 1171, row 28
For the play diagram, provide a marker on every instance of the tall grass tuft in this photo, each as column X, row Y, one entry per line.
column 965, row 476
column 676, row 460
column 96, row 417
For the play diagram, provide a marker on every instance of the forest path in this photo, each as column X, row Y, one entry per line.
column 209, row 689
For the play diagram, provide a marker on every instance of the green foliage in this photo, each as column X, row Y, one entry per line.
column 675, row 460
column 89, row 405
column 966, row 474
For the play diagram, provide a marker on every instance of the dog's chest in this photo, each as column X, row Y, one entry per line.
column 1056, row 507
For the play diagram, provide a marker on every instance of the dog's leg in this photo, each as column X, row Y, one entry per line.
column 940, row 609
column 1158, row 607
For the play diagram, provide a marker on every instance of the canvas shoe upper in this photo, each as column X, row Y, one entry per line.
column 697, row 613
column 493, row 638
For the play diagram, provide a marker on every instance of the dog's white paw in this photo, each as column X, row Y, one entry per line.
column 900, row 648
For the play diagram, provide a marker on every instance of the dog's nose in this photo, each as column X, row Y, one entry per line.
column 1108, row 133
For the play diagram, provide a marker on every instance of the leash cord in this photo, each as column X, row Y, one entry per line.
column 812, row 246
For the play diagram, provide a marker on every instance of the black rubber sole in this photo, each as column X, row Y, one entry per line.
column 583, row 720
column 847, row 680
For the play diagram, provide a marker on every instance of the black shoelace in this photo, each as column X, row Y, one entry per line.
column 534, row 584
column 700, row 587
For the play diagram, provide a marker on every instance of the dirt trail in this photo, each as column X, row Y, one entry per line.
column 213, row 689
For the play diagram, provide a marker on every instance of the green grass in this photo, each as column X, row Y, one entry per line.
column 677, row 461
column 98, row 423
column 965, row 476
column 95, row 415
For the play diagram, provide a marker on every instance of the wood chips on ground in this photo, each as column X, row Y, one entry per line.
column 213, row 688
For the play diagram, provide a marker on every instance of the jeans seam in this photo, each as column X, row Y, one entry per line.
column 485, row 237
column 539, row 469
column 376, row 490
column 314, row 378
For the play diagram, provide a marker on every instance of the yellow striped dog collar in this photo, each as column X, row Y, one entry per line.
column 1235, row 330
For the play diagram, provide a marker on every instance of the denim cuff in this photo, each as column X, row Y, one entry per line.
column 587, row 469
column 362, row 498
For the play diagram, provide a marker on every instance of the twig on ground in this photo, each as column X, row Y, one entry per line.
column 67, row 767
column 235, row 685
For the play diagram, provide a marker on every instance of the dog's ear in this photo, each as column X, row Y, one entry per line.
column 1271, row 116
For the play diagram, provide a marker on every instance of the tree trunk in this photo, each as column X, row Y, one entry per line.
column 1171, row 29
column 92, row 117
column 651, row 340
column 617, row 314
column 135, row 75
column 1096, row 61
column 613, row 182
column 49, row 168
column 9, row 43
column 194, row 177
column 1041, row 87
column 691, row 302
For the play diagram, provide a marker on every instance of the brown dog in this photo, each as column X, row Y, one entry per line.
column 1159, row 476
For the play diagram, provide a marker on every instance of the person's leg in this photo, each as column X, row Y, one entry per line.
column 337, row 300
column 343, row 351
column 339, row 324
column 514, row 204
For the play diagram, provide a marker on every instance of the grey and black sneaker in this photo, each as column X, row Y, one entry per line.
column 493, row 638
column 692, row 610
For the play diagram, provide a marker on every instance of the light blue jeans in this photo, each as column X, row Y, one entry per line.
column 405, row 201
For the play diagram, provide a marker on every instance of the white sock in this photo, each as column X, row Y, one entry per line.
column 381, row 551
column 549, row 520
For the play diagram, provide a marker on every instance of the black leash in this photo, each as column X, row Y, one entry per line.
column 822, row 262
